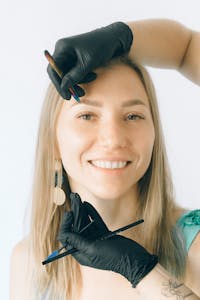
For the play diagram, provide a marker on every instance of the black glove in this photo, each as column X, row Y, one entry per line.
column 78, row 217
column 117, row 254
column 79, row 55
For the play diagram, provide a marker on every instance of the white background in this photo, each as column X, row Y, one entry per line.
column 29, row 27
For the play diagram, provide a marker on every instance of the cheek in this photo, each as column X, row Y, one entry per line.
column 148, row 148
column 72, row 143
column 145, row 144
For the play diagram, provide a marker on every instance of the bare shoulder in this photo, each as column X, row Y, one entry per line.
column 20, row 249
column 193, row 266
column 179, row 212
column 19, row 263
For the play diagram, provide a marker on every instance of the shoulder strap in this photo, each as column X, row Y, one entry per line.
column 189, row 223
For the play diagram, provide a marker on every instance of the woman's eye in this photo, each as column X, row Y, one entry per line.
column 89, row 116
column 85, row 116
column 134, row 117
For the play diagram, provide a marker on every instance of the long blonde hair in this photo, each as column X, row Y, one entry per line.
column 157, row 204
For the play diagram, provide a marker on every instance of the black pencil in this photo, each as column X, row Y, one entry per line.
column 110, row 234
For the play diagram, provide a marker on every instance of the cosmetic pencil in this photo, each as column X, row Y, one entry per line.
column 55, row 255
column 60, row 73
column 112, row 233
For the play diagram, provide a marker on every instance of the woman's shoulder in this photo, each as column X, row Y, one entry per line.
column 19, row 270
column 21, row 247
column 20, row 253
column 178, row 213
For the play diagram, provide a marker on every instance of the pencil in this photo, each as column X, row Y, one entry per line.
column 112, row 233
column 106, row 236
column 59, row 72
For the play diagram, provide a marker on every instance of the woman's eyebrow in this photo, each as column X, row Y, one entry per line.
column 127, row 103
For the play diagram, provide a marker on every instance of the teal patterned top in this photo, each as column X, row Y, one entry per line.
column 189, row 223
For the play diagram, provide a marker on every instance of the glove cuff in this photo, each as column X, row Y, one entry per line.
column 144, row 270
column 124, row 35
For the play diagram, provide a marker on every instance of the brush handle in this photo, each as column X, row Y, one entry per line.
column 110, row 234
column 50, row 259
column 53, row 256
column 59, row 72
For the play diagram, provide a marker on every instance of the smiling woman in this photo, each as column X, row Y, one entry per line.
column 109, row 148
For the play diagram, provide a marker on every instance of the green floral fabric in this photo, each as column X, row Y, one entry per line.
column 189, row 223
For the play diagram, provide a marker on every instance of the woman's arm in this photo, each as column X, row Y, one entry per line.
column 159, row 285
column 167, row 44
column 162, row 286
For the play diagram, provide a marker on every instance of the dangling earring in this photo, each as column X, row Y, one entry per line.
column 59, row 194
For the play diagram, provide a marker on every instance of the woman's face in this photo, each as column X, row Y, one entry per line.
column 106, row 141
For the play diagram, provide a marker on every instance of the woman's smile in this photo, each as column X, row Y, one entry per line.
column 110, row 167
column 109, row 164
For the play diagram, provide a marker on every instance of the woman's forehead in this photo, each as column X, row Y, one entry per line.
column 118, row 81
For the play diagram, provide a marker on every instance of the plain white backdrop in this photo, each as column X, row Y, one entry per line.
column 27, row 29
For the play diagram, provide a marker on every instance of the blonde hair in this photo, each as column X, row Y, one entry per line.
column 157, row 205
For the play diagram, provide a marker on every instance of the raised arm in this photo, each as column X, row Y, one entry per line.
column 166, row 43
column 157, row 43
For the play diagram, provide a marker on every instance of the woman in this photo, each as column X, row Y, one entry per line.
column 78, row 137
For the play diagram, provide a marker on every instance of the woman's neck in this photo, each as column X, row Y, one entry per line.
column 116, row 212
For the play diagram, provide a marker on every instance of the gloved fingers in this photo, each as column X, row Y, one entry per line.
column 81, row 218
column 57, row 82
column 79, row 242
column 96, row 217
column 78, row 71
column 54, row 78
column 64, row 62
column 66, row 225
column 67, row 220
column 74, row 76
column 89, row 77
column 65, row 59
column 80, row 91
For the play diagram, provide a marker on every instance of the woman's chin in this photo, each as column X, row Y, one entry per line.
column 109, row 194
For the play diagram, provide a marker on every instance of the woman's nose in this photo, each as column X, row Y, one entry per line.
column 113, row 135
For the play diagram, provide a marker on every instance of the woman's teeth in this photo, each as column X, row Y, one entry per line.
column 109, row 164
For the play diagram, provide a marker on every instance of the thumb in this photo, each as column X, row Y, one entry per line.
column 78, row 241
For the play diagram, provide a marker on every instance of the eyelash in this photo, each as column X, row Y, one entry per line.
column 89, row 114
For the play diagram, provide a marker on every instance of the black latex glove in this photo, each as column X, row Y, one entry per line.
column 79, row 55
column 78, row 217
column 118, row 254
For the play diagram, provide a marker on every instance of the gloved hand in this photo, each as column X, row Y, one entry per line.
column 78, row 217
column 118, row 254
column 79, row 55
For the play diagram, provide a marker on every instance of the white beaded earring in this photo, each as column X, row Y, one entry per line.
column 59, row 194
